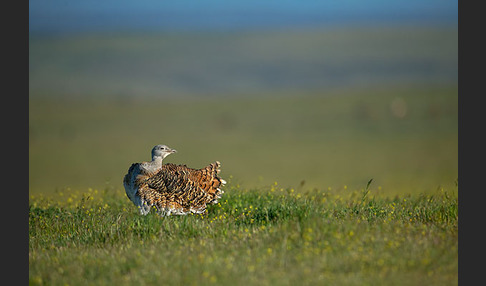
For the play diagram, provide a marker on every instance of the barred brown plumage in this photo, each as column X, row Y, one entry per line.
column 170, row 188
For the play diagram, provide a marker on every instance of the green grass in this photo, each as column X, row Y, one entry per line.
column 264, row 236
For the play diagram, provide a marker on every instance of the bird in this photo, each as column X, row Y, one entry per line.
column 172, row 189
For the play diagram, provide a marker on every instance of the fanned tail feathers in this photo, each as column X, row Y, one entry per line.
column 178, row 189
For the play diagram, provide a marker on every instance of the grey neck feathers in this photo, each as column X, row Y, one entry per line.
column 157, row 160
column 155, row 164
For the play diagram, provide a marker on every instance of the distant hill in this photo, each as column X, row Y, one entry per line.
column 195, row 63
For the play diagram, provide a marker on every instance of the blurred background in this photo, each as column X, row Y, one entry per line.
column 308, row 94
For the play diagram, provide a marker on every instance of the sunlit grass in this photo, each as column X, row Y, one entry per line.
column 265, row 236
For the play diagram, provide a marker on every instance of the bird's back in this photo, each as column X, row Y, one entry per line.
column 179, row 189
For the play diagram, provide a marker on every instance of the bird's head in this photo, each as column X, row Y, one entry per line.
column 161, row 151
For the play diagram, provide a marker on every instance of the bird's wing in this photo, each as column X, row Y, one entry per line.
column 130, row 180
column 187, row 187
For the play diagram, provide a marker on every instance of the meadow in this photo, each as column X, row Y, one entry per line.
column 266, row 236
column 329, row 183
column 296, row 211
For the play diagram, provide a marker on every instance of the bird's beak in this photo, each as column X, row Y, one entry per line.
column 173, row 150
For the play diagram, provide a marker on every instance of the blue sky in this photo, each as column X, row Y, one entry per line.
column 90, row 15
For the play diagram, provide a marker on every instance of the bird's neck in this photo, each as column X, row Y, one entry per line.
column 156, row 163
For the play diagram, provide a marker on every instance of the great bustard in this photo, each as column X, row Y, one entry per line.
column 170, row 188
